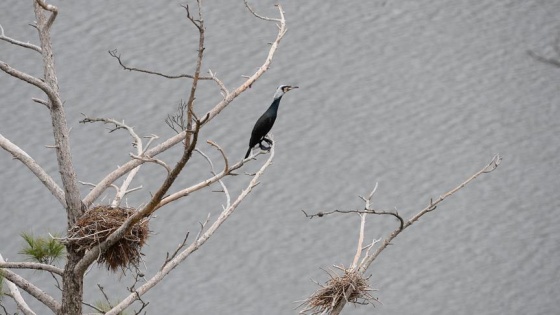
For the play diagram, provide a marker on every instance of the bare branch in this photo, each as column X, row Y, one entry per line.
column 321, row 214
column 361, row 268
column 34, row 167
column 110, row 178
column 168, row 258
column 31, row 265
column 130, row 165
column 114, row 53
column 17, row 42
column 224, row 188
column 187, row 191
column 215, row 145
column 16, row 295
column 31, row 289
column 177, row 121
column 152, row 205
column 496, row 160
column 137, row 142
column 195, row 245
column 223, row 90
column 198, row 23
column 249, row 82
column 368, row 247
column 42, row 102
column 190, row 103
column 61, row 133
column 190, row 141
column 360, row 241
column 146, row 211
column 29, row 79
column 260, row 16
column 99, row 311
column 152, row 160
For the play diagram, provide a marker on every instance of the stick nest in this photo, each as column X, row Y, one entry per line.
column 98, row 223
column 352, row 286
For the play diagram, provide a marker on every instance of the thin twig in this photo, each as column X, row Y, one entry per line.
column 213, row 172
column 200, row 240
column 168, row 257
column 258, row 15
column 223, row 90
column 137, row 143
column 152, row 160
column 105, row 295
column 124, row 169
column 17, row 42
column 114, row 53
column 100, row 311
column 494, row 163
column 339, row 303
column 321, row 214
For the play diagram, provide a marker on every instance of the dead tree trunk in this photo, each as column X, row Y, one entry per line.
column 72, row 283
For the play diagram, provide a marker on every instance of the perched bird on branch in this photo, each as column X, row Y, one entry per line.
column 266, row 121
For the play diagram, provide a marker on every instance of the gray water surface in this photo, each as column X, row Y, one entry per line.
column 414, row 95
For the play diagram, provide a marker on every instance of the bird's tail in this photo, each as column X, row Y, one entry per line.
column 248, row 152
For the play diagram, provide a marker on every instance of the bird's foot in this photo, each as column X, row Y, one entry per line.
column 265, row 148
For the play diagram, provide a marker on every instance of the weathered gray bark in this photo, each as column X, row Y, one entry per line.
column 72, row 283
column 58, row 117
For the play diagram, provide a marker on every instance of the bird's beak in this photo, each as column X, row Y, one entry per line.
column 293, row 87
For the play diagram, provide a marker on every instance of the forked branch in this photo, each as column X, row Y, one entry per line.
column 195, row 245
column 251, row 79
column 124, row 169
column 30, row 288
column 190, row 141
column 34, row 167
column 115, row 54
column 17, row 42
column 366, row 260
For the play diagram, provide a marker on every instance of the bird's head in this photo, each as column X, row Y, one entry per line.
column 282, row 89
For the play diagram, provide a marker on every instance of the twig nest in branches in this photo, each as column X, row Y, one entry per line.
column 98, row 223
column 352, row 286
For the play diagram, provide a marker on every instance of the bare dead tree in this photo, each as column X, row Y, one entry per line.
column 352, row 286
column 188, row 126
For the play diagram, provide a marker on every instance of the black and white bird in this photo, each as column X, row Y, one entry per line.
column 266, row 121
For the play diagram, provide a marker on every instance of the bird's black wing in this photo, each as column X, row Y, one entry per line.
column 262, row 127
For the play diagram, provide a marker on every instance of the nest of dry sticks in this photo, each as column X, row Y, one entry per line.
column 98, row 223
column 351, row 286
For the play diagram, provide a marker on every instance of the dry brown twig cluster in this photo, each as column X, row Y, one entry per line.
column 350, row 286
column 98, row 223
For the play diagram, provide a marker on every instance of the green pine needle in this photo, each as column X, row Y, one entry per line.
column 45, row 250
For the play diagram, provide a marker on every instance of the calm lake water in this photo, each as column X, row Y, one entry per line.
column 414, row 95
